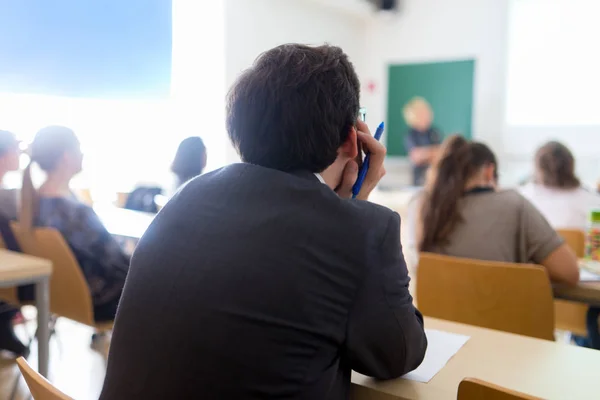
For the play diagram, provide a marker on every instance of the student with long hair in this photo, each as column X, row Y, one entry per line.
column 56, row 151
column 190, row 159
column 556, row 190
column 463, row 215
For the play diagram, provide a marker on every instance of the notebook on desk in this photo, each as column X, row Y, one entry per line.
column 589, row 271
column 441, row 347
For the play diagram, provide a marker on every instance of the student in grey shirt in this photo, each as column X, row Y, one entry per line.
column 463, row 215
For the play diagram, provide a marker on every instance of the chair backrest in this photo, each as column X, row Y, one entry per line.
column 39, row 387
column 575, row 239
column 69, row 292
column 475, row 389
column 514, row 298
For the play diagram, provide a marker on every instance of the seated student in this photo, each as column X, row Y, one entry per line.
column 56, row 150
column 9, row 161
column 271, row 281
column 557, row 192
column 463, row 215
column 190, row 160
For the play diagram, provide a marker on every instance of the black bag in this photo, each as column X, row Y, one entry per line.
column 142, row 199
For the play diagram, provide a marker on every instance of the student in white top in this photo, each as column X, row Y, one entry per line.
column 556, row 190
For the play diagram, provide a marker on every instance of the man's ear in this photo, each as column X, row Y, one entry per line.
column 350, row 146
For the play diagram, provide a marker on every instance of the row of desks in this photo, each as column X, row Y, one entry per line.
column 537, row 367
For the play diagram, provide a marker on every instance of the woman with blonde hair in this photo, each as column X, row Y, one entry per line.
column 463, row 215
column 422, row 140
column 556, row 190
column 56, row 151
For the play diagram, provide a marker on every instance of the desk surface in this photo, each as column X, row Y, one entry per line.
column 17, row 267
column 584, row 292
column 122, row 222
column 537, row 367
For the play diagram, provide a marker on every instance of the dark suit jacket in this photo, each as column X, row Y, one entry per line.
column 254, row 283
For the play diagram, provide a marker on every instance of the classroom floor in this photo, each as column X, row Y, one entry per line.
column 75, row 368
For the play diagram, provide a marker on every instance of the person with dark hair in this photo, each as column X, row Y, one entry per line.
column 463, row 215
column 556, row 190
column 272, row 282
column 56, row 150
column 190, row 159
column 189, row 162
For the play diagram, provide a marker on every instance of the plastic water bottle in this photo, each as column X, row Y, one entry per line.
column 592, row 240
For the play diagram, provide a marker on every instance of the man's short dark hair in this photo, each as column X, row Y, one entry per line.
column 294, row 107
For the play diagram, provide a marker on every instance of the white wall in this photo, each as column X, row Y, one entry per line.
column 254, row 26
column 442, row 30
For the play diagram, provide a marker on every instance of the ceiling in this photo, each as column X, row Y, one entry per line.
column 360, row 8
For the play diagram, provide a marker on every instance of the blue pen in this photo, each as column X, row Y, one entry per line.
column 362, row 173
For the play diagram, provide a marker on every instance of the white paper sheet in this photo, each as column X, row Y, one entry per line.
column 442, row 346
column 587, row 276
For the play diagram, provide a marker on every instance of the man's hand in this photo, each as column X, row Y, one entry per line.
column 377, row 153
column 349, row 176
column 376, row 170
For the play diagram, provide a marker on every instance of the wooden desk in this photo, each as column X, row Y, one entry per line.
column 124, row 223
column 584, row 292
column 533, row 366
column 20, row 269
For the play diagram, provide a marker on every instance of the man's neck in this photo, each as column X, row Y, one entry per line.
column 332, row 176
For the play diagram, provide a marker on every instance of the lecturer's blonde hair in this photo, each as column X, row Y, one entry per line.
column 410, row 108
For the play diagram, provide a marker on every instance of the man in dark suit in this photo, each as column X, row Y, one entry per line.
column 263, row 279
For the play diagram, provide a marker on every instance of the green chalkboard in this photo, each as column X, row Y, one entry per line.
column 447, row 86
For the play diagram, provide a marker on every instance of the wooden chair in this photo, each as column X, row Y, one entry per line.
column 575, row 239
column 515, row 298
column 569, row 315
column 475, row 389
column 70, row 295
column 39, row 387
column 121, row 199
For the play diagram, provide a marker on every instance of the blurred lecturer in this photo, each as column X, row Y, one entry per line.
column 422, row 141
